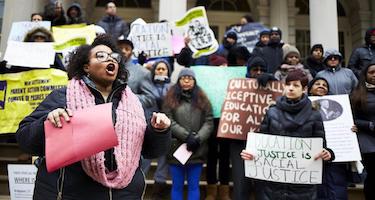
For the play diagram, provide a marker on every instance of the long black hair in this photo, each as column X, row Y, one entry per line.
column 359, row 95
column 81, row 56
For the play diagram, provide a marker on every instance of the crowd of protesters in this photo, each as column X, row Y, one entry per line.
column 190, row 111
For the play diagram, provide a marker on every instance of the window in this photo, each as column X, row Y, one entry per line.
column 304, row 8
column 126, row 3
column 303, row 42
column 225, row 5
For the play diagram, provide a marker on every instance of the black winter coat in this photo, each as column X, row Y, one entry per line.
column 272, row 54
column 313, row 66
column 77, row 185
column 296, row 119
column 361, row 58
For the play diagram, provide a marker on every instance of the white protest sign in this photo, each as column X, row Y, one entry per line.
column 155, row 39
column 19, row 29
column 30, row 54
column 195, row 26
column 338, row 120
column 21, row 181
column 284, row 159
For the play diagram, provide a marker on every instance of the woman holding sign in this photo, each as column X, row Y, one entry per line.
column 363, row 104
column 96, row 77
column 293, row 115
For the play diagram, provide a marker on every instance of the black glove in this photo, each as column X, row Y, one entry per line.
column 192, row 142
column 264, row 78
column 142, row 58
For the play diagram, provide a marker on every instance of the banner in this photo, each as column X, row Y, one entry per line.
column 248, row 34
column 196, row 27
column 284, row 159
column 21, row 93
column 245, row 105
column 338, row 120
column 20, row 29
column 214, row 82
column 21, row 181
column 155, row 39
column 30, row 54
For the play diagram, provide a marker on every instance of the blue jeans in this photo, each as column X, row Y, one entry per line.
column 161, row 173
column 193, row 173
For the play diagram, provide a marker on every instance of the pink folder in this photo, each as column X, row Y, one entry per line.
column 89, row 131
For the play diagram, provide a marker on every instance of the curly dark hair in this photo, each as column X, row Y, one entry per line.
column 81, row 55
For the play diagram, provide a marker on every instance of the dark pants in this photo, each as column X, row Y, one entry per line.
column 369, row 186
column 241, row 184
column 335, row 182
column 218, row 148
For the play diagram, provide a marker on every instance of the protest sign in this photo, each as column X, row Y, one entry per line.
column 30, row 54
column 21, row 181
column 214, row 82
column 196, row 27
column 154, row 39
column 62, row 34
column 20, row 29
column 284, row 159
column 338, row 120
column 245, row 105
column 22, row 92
column 248, row 34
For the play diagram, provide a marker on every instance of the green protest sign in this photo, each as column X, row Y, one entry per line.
column 214, row 81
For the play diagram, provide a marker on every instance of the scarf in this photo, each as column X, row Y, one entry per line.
column 130, row 127
column 369, row 86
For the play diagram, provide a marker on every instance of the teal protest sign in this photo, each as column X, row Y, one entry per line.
column 214, row 81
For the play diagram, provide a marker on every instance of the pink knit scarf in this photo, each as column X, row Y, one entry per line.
column 130, row 128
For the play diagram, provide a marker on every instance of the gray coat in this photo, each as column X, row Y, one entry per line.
column 340, row 80
column 185, row 119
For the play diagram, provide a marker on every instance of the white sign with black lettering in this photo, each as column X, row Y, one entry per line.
column 21, row 181
column 284, row 159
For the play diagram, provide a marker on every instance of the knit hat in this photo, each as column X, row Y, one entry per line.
column 256, row 62
column 216, row 60
column 277, row 30
column 186, row 72
column 311, row 83
column 370, row 32
column 317, row 46
column 287, row 49
column 232, row 35
column 264, row 32
column 297, row 75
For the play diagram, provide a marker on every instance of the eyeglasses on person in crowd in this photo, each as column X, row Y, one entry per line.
column 333, row 58
column 103, row 56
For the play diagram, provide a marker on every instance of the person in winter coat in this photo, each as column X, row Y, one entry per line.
column 291, row 57
column 362, row 56
column 96, row 77
column 264, row 38
column 293, row 115
column 191, row 114
column 113, row 24
column 74, row 14
column 363, row 104
column 341, row 80
column 314, row 63
column 272, row 53
column 185, row 58
column 54, row 12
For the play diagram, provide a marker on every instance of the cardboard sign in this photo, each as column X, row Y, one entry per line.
column 284, row 159
column 245, row 105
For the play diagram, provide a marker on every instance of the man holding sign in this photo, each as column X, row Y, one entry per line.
column 292, row 116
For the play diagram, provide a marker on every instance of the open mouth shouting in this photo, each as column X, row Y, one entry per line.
column 111, row 69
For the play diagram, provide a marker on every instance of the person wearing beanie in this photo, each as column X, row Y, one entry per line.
column 314, row 62
column 293, row 115
column 264, row 38
column 272, row 53
column 190, row 111
column 216, row 60
column 291, row 57
column 341, row 80
column 229, row 44
column 362, row 56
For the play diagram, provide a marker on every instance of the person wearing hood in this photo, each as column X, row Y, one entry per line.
column 314, row 62
column 362, row 56
column 54, row 12
column 113, row 24
column 291, row 57
column 272, row 53
column 293, row 115
column 74, row 14
column 341, row 80
column 363, row 104
column 264, row 38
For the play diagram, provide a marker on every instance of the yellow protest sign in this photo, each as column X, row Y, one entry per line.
column 21, row 93
column 62, row 34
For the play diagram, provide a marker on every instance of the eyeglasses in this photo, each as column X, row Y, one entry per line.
column 103, row 56
column 333, row 58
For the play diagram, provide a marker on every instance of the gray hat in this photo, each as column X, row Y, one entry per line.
column 186, row 72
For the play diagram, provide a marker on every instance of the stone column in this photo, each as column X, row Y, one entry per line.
column 323, row 23
column 171, row 10
column 279, row 17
